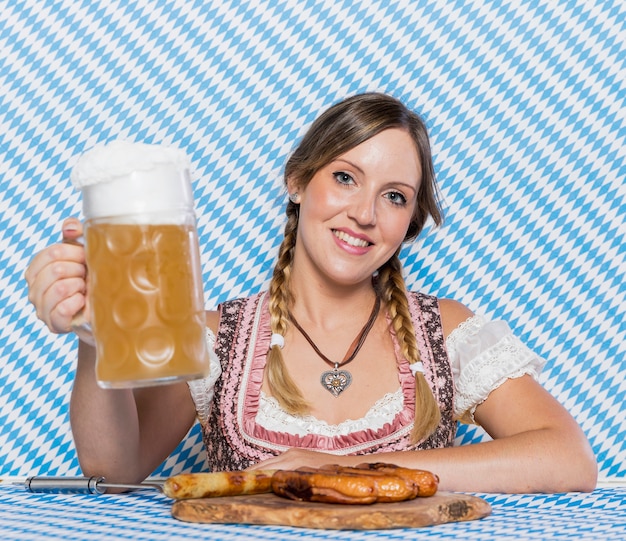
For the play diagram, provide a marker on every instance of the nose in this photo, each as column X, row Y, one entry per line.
column 363, row 208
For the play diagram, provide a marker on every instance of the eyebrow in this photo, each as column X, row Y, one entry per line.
column 351, row 164
column 355, row 166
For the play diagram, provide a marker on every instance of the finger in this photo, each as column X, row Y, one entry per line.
column 61, row 303
column 37, row 263
column 64, row 315
column 72, row 229
column 50, row 269
column 57, row 253
column 55, row 283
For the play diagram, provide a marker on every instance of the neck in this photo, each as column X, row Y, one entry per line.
column 325, row 306
column 356, row 344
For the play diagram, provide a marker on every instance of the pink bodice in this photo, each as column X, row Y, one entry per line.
column 235, row 440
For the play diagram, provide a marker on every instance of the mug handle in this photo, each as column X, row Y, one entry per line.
column 79, row 325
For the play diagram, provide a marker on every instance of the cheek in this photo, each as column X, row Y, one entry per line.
column 396, row 226
column 320, row 203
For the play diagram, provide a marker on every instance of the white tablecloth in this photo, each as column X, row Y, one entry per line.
column 144, row 515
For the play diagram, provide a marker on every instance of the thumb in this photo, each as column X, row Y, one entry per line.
column 72, row 230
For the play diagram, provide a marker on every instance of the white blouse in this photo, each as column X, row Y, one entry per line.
column 483, row 355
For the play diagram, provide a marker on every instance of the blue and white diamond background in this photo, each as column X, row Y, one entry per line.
column 525, row 101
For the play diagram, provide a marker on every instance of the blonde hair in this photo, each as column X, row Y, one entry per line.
column 393, row 292
column 339, row 129
column 280, row 383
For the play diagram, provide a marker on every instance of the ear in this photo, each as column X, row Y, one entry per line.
column 294, row 189
column 292, row 185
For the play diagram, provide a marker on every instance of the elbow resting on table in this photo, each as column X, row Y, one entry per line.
column 577, row 464
column 587, row 474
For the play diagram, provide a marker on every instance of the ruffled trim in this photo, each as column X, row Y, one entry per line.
column 202, row 390
column 483, row 356
column 254, row 369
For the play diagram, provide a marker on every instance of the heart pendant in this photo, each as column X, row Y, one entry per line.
column 336, row 381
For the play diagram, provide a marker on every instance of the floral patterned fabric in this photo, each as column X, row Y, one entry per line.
column 234, row 439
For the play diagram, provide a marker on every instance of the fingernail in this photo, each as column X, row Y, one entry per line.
column 70, row 227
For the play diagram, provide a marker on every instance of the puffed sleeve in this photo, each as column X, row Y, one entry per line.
column 202, row 390
column 483, row 355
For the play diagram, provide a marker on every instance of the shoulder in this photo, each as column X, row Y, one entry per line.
column 453, row 313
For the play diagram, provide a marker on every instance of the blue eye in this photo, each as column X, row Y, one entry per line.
column 343, row 178
column 396, row 198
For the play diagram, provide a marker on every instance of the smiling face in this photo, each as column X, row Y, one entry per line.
column 355, row 211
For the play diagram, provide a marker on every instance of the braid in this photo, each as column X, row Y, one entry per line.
column 280, row 383
column 393, row 291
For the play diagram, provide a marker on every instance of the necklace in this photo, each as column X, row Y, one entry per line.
column 336, row 381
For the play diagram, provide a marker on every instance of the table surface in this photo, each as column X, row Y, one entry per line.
column 146, row 515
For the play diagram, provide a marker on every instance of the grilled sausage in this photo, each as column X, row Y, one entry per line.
column 215, row 484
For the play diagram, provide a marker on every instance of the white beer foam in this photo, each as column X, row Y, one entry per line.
column 123, row 178
column 106, row 162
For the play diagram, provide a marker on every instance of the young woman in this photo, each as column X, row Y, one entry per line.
column 336, row 362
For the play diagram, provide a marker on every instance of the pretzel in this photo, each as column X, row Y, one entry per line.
column 426, row 481
column 346, row 485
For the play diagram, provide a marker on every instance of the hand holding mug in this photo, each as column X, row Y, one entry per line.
column 56, row 280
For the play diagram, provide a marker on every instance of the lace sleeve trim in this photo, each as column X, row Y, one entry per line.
column 484, row 354
column 466, row 330
column 202, row 390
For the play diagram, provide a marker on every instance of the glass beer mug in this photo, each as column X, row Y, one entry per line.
column 145, row 294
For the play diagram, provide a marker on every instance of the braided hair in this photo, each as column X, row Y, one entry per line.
column 339, row 129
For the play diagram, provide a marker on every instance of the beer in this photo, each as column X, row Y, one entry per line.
column 143, row 264
column 147, row 310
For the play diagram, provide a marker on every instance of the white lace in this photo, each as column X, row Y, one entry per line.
column 202, row 390
column 272, row 417
column 483, row 355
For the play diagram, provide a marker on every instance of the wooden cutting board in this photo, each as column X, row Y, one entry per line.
column 269, row 509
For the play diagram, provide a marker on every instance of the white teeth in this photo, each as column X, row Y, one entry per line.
column 351, row 240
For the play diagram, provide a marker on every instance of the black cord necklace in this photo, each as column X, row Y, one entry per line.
column 336, row 381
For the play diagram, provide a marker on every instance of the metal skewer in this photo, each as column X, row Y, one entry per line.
column 82, row 485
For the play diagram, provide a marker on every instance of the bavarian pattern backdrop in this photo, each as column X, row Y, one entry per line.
column 525, row 102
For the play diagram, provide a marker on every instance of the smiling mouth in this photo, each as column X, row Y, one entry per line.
column 352, row 241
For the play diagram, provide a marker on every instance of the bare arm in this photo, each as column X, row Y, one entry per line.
column 125, row 434
column 120, row 434
column 537, row 446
